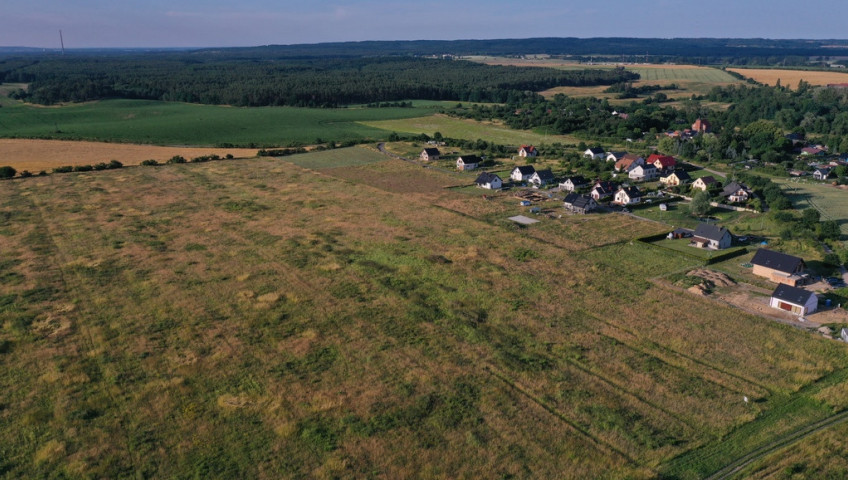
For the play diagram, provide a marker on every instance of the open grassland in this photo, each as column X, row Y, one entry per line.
column 37, row 155
column 169, row 123
column 468, row 130
column 830, row 200
column 823, row 455
column 790, row 78
column 259, row 319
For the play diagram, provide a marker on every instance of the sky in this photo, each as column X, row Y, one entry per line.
column 218, row 23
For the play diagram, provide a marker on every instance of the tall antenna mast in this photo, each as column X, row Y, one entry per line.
column 62, row 41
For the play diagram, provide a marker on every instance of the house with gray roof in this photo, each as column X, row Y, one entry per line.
column 779, row 267
column 711, row 237
column 794, row 300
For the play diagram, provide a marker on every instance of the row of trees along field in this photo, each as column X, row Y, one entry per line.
column 303, row 83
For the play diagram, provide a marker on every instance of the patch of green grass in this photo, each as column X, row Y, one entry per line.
column 168, row 123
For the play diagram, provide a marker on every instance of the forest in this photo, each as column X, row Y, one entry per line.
column 325, row 82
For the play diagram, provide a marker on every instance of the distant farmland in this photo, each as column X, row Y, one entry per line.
column 790, row 78
column 168, row 123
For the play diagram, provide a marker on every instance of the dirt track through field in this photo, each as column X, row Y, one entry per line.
column 37, row 155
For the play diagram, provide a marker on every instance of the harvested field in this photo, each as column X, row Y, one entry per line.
column 790, row 78
column 37, row 155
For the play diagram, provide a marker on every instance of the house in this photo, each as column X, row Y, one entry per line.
column 603, row 189
column 662, row 162
column 542, row 177
column 468, row 162
column 793, row 299
column 736, row 192
column 704, row 183
column 429, row 154
column 778, row 267
column 489, row 181
column 573, row 183
column 643, row 173
column 812, row 151
column 701, row 126
column 822, row 173
column 522, row 173
column 675, row 178
column 615, row 156
column 711, row 236
column 583, row 204
column 527, row 151
column 628, row 161
column 595, row 153
column 627, row 196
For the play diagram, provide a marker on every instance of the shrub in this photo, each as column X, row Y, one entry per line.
column 100, row 166
column 150, row 163
column 177, row 159
column 63, row 169
column 113, row 164
column 7, row 172
column 26, row 174
column 230, row 156
column 83, row 168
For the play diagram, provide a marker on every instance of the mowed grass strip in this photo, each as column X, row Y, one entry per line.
column 171, row 123
column 467, row 130
column 259, row 319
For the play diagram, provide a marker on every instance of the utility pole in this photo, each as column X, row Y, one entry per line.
column 62, row 41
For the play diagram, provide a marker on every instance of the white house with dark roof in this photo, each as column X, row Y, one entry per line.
column 794, row 300
column 711, row 236
column 571, row 184
column 595, row 153
column 489, row 181
column 468, row 162
column 643, row 172
column 542, row 177
column 522, row 173
column 627, row 196
column 574, row 202
column 736, row 192
column 704, row 183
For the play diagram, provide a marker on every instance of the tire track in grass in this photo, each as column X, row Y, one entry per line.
column 735, row 467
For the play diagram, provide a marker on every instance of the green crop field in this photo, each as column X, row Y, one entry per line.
column 468, row 130
column 258, row 319
column 168, row 123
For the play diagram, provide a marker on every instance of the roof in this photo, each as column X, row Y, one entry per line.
column 631, row 192
column 708, row 180
column 732, row 188
column 665, row 160
column 486, row 177
column 577, row 180
column 680, row 174
column 432, row 151
column 812, row 150
column 470, row 159
column 570, row 198
column 596, row 150
column 781, row 262
column 617, row 155
column 525, row 169
column 710, row 232
column 546, row 174
column 523, row 220
column 528, row 148
column 795, row 295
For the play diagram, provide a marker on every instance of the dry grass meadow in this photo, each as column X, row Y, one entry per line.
column 38, row 155
column 263, row 319
column 790, row 78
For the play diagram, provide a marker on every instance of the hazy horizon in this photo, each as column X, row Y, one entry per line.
column 197, row 24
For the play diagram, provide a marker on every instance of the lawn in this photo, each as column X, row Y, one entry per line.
column 258, row 319
column 831, row 201
column 170, row 123
column 468, row 130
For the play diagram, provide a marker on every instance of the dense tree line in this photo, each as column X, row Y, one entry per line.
column 305, row 83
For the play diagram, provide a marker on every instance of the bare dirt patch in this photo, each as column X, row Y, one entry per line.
column 37, row 155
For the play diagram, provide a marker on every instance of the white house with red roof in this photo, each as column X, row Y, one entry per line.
column 527, row 151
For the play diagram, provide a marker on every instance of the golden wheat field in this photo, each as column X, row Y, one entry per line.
column 790, row 78
column 37, row 155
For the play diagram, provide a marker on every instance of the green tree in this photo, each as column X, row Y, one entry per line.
column 7, row 172
column 829, row 230
column 700, row 204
